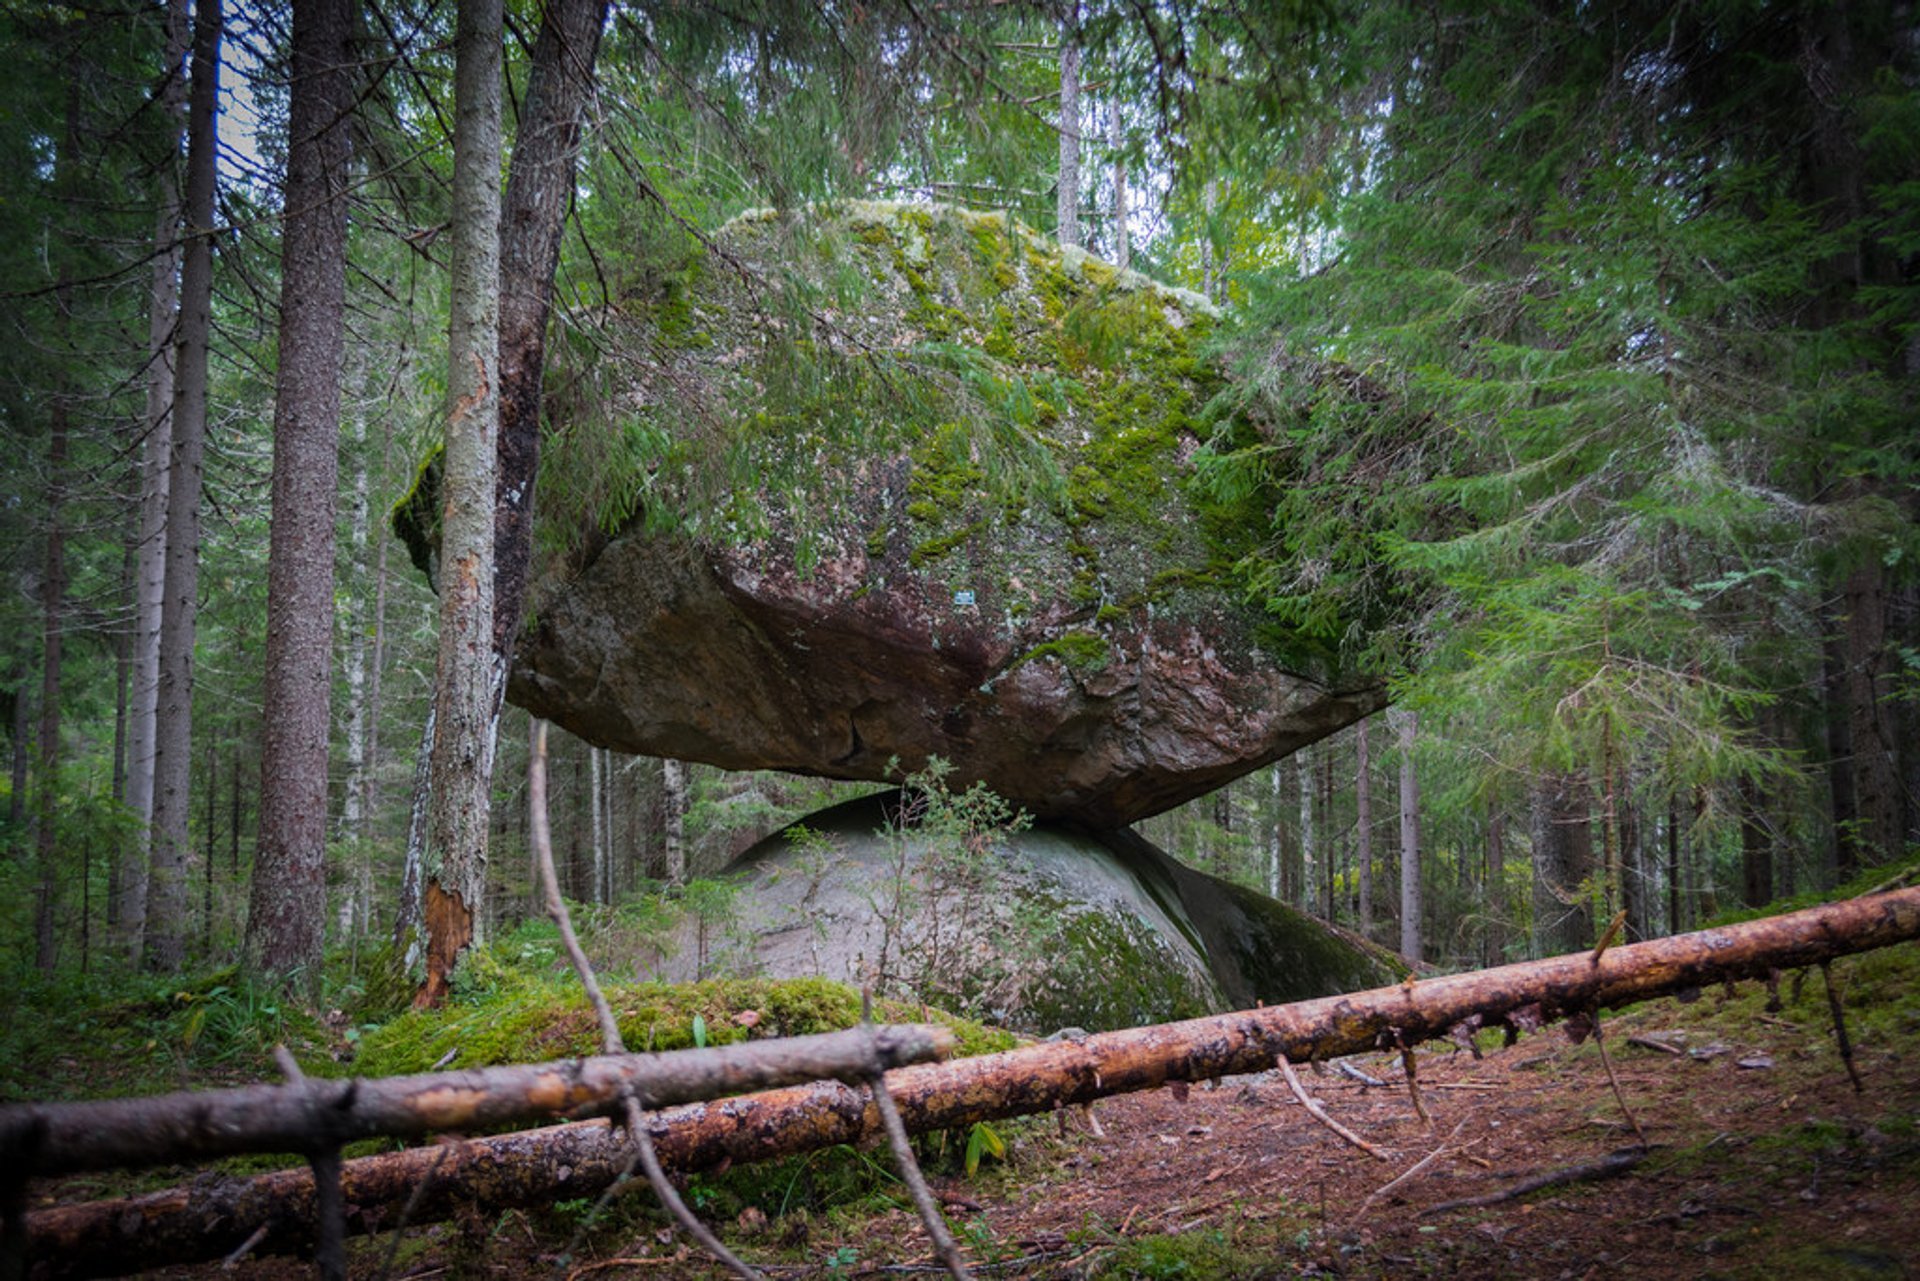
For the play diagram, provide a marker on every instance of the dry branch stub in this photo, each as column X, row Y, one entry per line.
column 204, row 1220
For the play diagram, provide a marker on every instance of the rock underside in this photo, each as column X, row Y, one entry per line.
column 890, row 483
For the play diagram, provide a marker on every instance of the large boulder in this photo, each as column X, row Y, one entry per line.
column 1053, row 926
column 855, row 489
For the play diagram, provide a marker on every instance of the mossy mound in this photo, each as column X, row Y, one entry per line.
column 541, row 1021
column 1035, row 928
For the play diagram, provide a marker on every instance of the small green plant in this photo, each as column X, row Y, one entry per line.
column 842, row 1260
column 983, row 1141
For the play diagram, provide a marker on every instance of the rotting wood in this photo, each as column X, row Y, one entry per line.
column 206, row 1219
column 63, row 1138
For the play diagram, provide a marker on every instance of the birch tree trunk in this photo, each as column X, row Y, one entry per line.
column 454, row 868
column 130, row 911
column 674, row 785
column 166, row 914
column 287, row 903
column 1303, row 768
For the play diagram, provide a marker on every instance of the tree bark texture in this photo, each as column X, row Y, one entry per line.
column 454, row 870
column 63, row 1138
column 1122, row 231
column 1067, row 191
column 207, row 1219
column 539, row 190
column 130, row 912
column 1410, row 906
column 286, row 912
column 166, row 915
column 1363, row 824
column 1876, row 778
column 1562, row 861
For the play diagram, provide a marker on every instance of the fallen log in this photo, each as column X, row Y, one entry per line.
column 207, row 1219
column 313, row 1113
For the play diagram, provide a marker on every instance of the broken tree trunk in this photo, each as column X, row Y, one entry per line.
column 209, row 1218
column 62, row 1138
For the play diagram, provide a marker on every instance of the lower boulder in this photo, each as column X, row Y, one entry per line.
column 1036, row 928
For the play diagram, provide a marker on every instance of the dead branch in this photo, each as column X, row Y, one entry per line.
column 1312, row 1105
column 610, row 1039
column 208, row 1218
column 1840, row 1029
column 1607, row 1167
column 1411, row 1171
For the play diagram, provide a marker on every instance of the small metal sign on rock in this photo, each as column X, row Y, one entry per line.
column 963, row 597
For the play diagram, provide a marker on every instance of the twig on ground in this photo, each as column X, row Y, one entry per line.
column 609, row 1030
column 242, row 1250
column 1408, row 1066
column 1410, row 1171
column 1606, row 1061
column 1607, row 1167
column 1319, row 1114
column 627, row 1261
column 1840, row 1029
column 1651, row 1043
column 1349, row 1070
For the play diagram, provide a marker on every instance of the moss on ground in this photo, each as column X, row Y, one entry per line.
column 538, row 1021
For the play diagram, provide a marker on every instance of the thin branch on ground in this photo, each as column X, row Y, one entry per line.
column 1411, row 1171
column 1606, row 1061
column 1607, row 1167
column 1412, row 1070
column 1840, row 1029
column 1312, row 1105
column 609, row 1029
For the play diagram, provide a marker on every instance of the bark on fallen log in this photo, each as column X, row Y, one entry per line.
column 304, row 1116
column 208, row 1219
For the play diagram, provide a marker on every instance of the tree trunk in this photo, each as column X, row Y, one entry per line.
column 166, row 914
column 286, row 911
column 1409, row 839
column 53, row 598
column 1363, row 824
column 156, row 448
column 1562, row 835
column 1309, row 853
column 1067, row 192
column 1495, row 899
column 454, row 881
column 1756, row 849
column 1122, row 232
column 1870, row 732
column 674, row 803
column 1273, row 833
column 485, row 1176
column 202, row 1125
column 1844, row 851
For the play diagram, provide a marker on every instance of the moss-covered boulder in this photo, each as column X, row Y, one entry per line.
column 853, row 489
column 1050, row 926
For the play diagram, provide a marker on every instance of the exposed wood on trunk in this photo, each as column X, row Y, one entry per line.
column 208, row 1218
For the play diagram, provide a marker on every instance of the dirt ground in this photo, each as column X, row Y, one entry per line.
column 1762, row 1161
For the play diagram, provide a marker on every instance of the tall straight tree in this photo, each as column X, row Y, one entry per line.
column 151, row 555
column 166, row 917
column 286, row 911
column 1409, row 838
column 453, row 879
column 1067, row 193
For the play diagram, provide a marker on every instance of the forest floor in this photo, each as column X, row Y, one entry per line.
column 1762, row 1161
